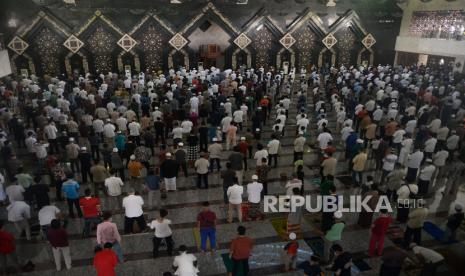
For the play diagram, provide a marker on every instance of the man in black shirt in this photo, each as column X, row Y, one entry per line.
column 39, row 191
column 228, row 177
column 453, row 223
column 159, row 130
column 343, row 261
column 203, row 131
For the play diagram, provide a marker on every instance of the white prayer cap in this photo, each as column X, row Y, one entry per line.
column 254, row 177
column 180, row 144
column 83, row 148
column 115, row 149
column 292, row 236
column 168, row 154
column 338, row 214
column 133, row 157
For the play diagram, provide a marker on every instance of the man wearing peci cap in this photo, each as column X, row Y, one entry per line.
column 72, row 152
column 85, row 158
column 289, row 255
column 254, row 191
column 453, row 223
column 181, row 158
column 201, row 167
column 169, row 171
column 214, row 151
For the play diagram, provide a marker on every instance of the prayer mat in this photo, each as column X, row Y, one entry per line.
column 316, row 244
column 228, row 264
column 361, row 265
column 346, row 180
column 280, row 226
column 316, row 181
column 198, row 239
column 436, row 232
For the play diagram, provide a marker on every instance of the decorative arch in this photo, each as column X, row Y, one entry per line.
column 69, row 67
column 211, row 13
column 100, row 35
column 172, row 53
column 135, row 60
column 45, row 35
column 363, row 51
column 279, row 58
column 324, row 51
column 349, row 32
column 31, row 67
column 308, row 30
column 265, row 35
column 237, row 52
column 152, row 34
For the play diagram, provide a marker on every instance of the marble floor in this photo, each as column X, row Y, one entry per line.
column 184, row 204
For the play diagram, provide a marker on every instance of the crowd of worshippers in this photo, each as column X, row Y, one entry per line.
column 121, row 137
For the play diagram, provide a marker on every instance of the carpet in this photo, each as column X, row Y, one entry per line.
column 436, row 232
column 362, row 265
column 228, row 264
column 197, row 239
column 316, row 244
column 280, row 226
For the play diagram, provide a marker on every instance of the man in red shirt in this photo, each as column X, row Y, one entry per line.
column 243, row 147
column 290, row 253
column 7, row 249
column 105, row 261
column 239, row 252
column 90, row 207
column 378, row 232
column 206, row 222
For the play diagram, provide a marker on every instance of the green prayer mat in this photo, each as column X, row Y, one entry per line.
column 229, row 264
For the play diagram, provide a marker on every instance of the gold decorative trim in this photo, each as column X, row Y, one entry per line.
column 87, row 24
column 275, row 24
column 163, row 24
column 141, row 22
column 27, row 28
column 309, row 16
column 111, row 24
column 211, row 7
column 56, row 25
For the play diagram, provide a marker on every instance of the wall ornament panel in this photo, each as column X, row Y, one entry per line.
column 47, row 45
column 242, row 41
column 18, row 45
column 178, row 41
column 287, row 41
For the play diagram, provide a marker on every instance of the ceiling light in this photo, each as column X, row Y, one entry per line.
column 242, row 2
column 331, row 3
column 259, row 27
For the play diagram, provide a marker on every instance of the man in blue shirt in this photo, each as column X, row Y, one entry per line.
column 70, row 190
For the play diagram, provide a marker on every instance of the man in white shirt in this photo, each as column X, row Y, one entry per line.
column 238, row 117
column 431, row 259
column 162, row 232
column 113, row 185
column 19, row 213
column 425, row 176
column 389, row 162
column 260, row 154
column 323, row 139
column 132, row 205
column 413, row 164
column 46, row 215
column 51, row 132
column 273, row 149
column 109, row 133
column 201, row 167
column 234, row 193
column 185, row 264
column 15, row 192
column 254, row 191
column 134, row 132
column 439, row 161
